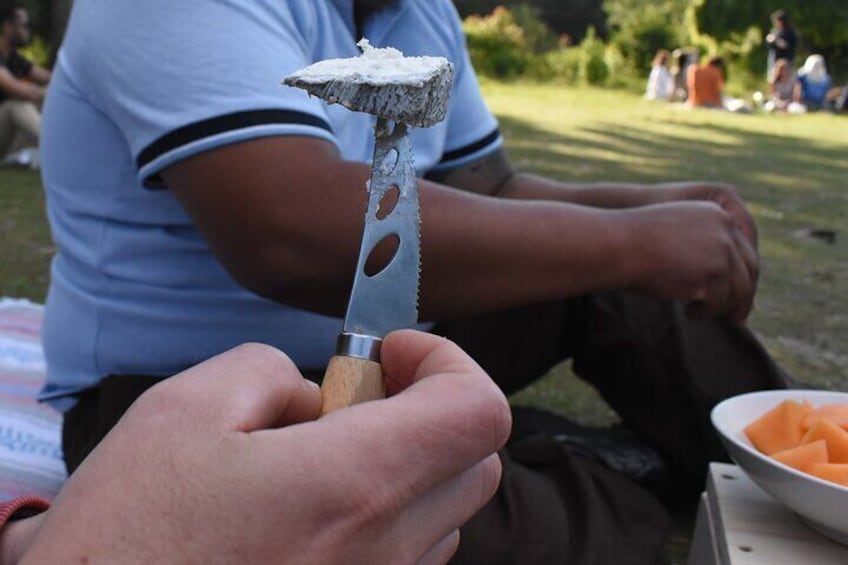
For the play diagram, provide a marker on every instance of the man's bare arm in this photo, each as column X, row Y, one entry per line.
column 40, row 75
column 21, row 89
column 284, row 216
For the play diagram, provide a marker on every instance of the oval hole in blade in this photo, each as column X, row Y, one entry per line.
column 382, row 254
column 388, row 202
column 389, row 162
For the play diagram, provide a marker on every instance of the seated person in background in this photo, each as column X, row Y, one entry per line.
column 781, row 87
column 243, row 427
column 813, row 83
column 22, row 83
column 660, row 82
column 679, row 65
column 813, row 86
column 705, row 83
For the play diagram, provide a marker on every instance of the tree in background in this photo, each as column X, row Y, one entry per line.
column 572, row 18
column 639, row 28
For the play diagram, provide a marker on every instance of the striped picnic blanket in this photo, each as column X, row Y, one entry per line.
column 30, row 433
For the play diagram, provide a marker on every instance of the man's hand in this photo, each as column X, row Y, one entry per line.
column 225, row 463
column 724, row 195
column 694, row 251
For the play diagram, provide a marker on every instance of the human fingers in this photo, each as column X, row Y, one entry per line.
column 452, row 413
column 409, row 355
column 744, row 302
column 448, row 506
column 442, row 551
column 248, row 388
column 730, row 285
column 408, row 446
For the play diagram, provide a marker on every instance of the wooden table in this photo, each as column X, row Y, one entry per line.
column 739, row 524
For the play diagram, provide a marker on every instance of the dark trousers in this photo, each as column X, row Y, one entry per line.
column 659, row 370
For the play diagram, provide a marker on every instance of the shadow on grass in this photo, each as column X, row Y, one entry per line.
column 626, row 153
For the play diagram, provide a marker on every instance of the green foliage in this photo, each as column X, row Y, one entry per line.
column 538, row 37
column 639, row 28
column 497, row 44
column 507, row 44
column 37, row 51
column 562, row 64
column 593, row 68
column 572, row 18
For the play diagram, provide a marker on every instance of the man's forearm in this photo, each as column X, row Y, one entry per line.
column 600, row 195
column 486, row 253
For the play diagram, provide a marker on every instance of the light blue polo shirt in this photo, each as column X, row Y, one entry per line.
column 141, row 85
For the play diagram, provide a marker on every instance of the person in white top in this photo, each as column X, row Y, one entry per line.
column 660, row 82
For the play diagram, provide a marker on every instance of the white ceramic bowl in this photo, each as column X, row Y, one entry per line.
column 820, row 504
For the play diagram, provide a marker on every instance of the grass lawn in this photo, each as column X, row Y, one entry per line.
column 792, row 171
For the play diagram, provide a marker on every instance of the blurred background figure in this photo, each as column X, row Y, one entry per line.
column 22, row 88
column 782, row 40
column 813, row 84
column 705, row 82
column 781, row 87
column 681, row 59
column 660, row 82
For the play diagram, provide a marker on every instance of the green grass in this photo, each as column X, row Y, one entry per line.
column 25, row 244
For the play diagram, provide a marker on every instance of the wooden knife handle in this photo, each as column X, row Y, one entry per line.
column 350, row 380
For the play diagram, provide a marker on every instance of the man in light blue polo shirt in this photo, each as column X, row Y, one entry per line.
column 196, row 204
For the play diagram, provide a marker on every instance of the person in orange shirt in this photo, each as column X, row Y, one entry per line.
column 705, row 83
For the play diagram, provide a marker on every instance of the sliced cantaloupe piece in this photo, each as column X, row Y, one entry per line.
column 780, row 428
column 802, row 456
column 834, row 472
column 836, row 413
column 836, row 438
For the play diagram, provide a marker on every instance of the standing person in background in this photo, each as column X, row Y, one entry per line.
column 660, row 83
column 782, row 41
column 22, row 85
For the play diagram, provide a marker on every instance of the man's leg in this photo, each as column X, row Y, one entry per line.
column 554, row 505
column 20, row 125
column 7, row 129
column 661, row 371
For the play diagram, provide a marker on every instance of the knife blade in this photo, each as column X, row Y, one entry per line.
column 386, row 300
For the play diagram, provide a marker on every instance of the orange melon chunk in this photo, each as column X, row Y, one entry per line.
column 836, row 413
column 834, row 472
column 780, row 428
column 803, row 456
column 836, row 438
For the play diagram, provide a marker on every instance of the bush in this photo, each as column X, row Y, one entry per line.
column 562, row 64
column 497, row 44
column 538, row 37
column 592, row 62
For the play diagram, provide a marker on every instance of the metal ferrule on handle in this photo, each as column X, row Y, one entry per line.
column 359, row 346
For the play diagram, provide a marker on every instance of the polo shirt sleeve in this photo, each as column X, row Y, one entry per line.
column 177, row 82
column 472, row 129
